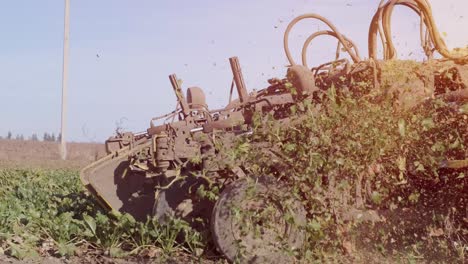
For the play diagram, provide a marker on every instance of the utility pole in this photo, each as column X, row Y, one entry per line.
column 66, row 35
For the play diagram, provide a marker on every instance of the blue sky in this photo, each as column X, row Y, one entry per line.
column 122, row 51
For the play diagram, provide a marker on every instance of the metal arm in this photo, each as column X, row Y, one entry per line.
column 179, row 94
column 238, row 79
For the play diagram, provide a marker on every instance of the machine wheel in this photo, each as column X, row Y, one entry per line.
column 181, row 201
column 258, row 221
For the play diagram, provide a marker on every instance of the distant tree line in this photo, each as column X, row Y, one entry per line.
column 47, row 137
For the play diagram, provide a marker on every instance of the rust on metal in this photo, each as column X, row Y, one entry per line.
column 238, row 79
column 178, row 92
column 140, row 173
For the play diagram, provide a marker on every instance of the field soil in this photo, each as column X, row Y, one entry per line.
column 27, row 154
column 38, row 154
column 96, row 260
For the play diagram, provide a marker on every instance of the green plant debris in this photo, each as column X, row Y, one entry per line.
column 355, row 159
column 48, row 213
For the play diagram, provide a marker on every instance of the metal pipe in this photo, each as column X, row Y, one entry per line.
column 238, row 79
column 179, row 94
column 329, row 33
column 352, row 53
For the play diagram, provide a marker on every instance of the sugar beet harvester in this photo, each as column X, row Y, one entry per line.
column 176, row 168
column 161, row 172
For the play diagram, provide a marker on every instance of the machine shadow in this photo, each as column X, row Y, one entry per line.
column 137, row 199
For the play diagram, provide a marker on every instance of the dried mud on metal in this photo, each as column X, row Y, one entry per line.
column 355, row 160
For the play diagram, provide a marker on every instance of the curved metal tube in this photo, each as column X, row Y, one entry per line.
column 428, row 39
column 383, row 30
column 329, row 33
column 386, row 21
column 340, row 37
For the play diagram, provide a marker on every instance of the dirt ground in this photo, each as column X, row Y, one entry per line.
column 38, row 154
column 93, row 260
column 46, row 155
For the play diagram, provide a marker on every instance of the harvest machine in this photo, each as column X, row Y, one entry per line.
column 180, row 167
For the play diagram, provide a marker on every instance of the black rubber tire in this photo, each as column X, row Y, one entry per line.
column 275, row 236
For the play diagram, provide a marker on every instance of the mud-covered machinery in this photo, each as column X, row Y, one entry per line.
column 165, row 171
column 170, row 170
